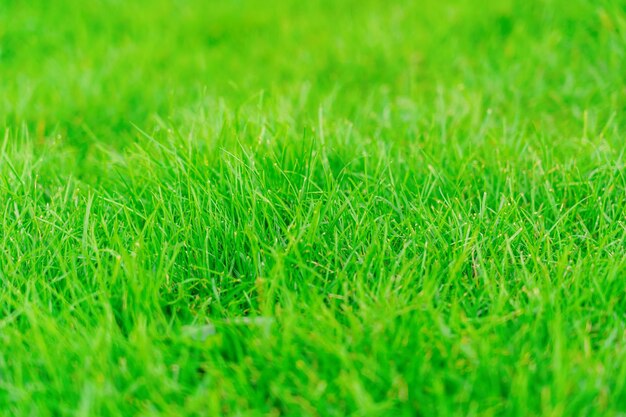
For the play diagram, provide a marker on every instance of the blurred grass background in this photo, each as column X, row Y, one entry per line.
column 71, row 66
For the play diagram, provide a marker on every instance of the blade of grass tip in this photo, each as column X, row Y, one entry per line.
column 13, row 170
column 153, row 140
column 86, row 219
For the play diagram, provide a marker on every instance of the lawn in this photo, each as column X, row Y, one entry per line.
column 312, row 208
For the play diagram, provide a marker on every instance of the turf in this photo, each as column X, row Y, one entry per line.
column 324, row 208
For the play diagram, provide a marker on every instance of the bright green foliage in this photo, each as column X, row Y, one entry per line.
column 425, row 201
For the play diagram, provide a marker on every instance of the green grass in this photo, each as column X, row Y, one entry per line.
column 419, row 207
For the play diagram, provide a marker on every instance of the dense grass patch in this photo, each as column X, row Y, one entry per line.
column 312, row 208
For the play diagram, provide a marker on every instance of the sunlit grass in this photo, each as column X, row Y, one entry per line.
column 312, row 208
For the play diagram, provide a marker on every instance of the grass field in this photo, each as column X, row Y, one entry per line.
column 312, row 208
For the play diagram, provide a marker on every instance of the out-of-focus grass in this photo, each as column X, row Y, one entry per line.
column 423, row 201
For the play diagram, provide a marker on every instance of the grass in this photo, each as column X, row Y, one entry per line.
column 326, row 208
